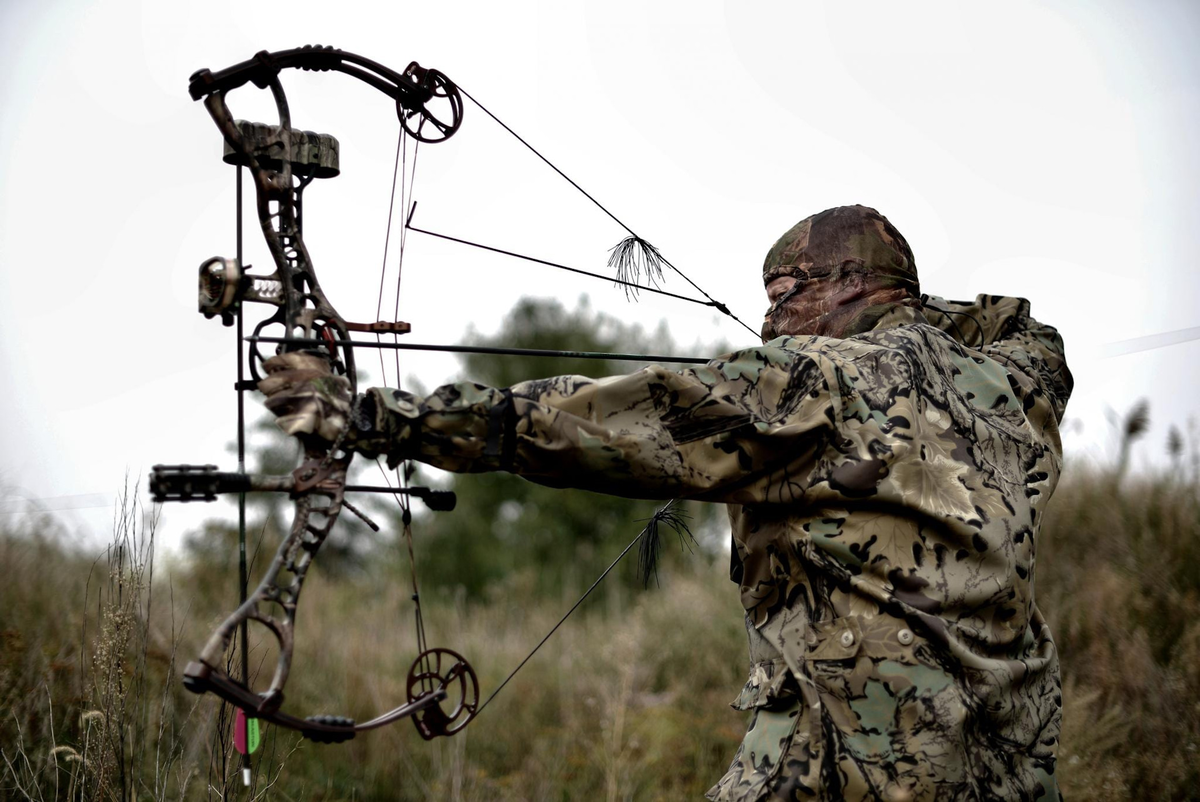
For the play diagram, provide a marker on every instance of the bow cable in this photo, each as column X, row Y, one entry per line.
column 402, row 175
column 387, row 240
column 405, row 200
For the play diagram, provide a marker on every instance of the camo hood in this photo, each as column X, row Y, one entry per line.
column 851, row 268
column 842, row 240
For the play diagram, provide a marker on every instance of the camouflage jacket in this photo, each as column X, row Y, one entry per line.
column 885, row 493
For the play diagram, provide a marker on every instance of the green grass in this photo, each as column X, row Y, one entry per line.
column 627, row 701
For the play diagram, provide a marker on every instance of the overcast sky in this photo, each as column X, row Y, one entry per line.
column 1044, row 150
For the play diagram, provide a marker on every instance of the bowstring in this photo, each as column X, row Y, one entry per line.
column 402, row 177
column 574, row 607
column 405, row 202
column 408, row 179
column 387, row 241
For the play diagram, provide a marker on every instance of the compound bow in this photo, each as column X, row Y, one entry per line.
column 442, row 687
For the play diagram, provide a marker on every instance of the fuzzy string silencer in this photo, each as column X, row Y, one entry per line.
column 632, row 258
column 651, row 539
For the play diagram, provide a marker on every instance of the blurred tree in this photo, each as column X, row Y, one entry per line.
column 505, row 524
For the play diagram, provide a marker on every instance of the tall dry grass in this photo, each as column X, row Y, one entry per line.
column 628, row 701
column 87, row 675
column 1119, row 579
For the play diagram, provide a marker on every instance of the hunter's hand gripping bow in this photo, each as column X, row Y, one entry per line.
column 282, row 162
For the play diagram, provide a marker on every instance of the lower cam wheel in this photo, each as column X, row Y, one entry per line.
column 443, row 669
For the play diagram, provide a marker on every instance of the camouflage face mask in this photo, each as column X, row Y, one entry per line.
column 850, row 266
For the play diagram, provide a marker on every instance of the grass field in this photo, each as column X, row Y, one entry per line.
column 628, row 701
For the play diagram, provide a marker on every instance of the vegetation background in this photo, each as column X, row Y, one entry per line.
column 627, row 701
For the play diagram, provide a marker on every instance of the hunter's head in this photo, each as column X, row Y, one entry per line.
column 836, row 273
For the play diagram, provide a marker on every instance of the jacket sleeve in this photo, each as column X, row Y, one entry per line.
column 742, row 428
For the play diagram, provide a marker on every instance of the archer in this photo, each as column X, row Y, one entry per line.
column 885, row 474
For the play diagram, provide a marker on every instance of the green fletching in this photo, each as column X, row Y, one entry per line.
column 253, row 735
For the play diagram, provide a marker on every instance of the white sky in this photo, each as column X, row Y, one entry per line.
column 1044, row 150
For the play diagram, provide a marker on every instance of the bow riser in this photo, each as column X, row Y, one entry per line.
column 304, row 308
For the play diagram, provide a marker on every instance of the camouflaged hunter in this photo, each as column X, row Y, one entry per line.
column 885, row 464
